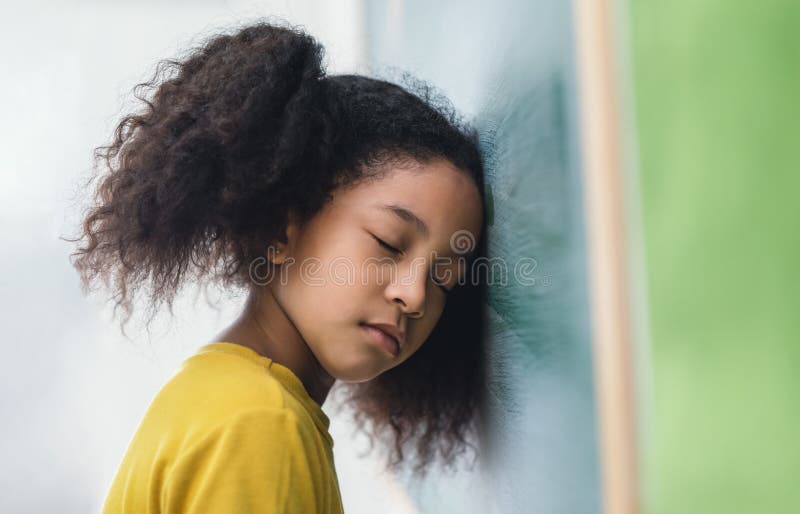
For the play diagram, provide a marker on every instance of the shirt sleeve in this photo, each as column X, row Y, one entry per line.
column 255, row 463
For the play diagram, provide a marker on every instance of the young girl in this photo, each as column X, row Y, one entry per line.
column 351, row 211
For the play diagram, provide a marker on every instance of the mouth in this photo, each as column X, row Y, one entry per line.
column 382, row 339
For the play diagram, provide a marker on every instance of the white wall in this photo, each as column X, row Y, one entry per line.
column 73, row 389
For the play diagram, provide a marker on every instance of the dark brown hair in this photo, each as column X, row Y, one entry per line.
column 243, row 129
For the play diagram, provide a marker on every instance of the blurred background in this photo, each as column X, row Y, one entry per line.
column 716, row 98
column 706, row 130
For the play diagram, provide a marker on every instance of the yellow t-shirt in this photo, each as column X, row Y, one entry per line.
column 232, row 432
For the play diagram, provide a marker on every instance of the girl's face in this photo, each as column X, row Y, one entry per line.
column 336, row 275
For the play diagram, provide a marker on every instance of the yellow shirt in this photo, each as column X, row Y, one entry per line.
column 232, row 432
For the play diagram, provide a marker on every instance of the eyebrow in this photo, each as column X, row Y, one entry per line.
column 406, row 215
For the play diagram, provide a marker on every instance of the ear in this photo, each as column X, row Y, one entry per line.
column 279, row 251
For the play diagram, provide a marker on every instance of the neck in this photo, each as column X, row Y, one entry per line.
column 265, row 327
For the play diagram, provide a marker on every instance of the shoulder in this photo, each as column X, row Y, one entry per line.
column 255, row 457
column 223, row 434
column 257, row 435
column 211, row 387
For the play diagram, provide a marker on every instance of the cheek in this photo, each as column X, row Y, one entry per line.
column 420, row 329
column 318, row 300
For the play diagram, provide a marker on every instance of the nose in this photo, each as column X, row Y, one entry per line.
column 408, row 289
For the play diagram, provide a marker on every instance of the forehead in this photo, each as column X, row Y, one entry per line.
column 444, row 199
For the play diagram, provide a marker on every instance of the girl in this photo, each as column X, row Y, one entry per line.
column 351, row 211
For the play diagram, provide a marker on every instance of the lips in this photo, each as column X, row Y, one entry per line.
column 386, row 335
column 390, row 330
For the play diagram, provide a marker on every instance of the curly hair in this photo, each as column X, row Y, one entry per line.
column 245, row 128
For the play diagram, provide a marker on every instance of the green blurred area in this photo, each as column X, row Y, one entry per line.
column 717, row 108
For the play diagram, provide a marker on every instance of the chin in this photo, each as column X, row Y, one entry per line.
column 356, row 370
column 357, row 375
column 358, row 380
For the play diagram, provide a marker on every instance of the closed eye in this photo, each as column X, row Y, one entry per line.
column 396, row 251
column 386, row 245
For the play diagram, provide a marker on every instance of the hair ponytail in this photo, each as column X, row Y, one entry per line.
column 202, row 178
